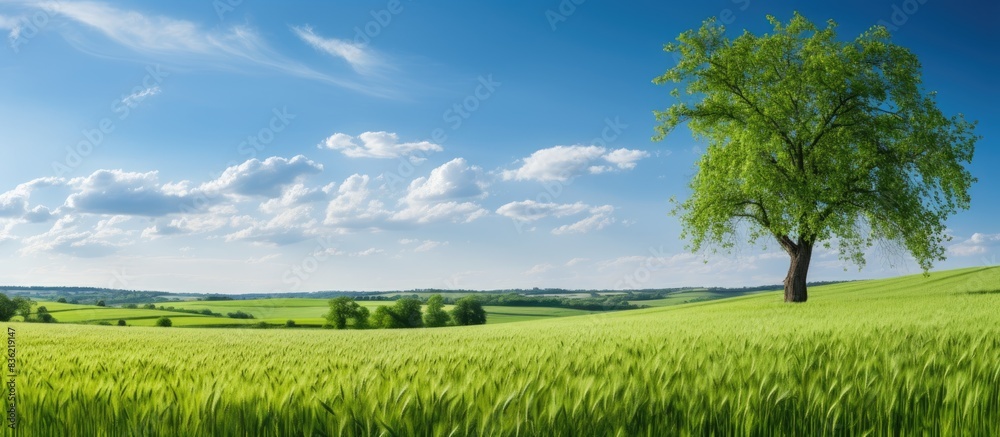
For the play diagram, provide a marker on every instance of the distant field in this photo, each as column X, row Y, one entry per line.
column 682, row 297
column 906, row 356
column 305, row 312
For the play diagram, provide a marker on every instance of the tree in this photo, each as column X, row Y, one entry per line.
column 405, row 313
column 435, row 316
column 468, row 311
column 408, row 312
column 23, row 306
column 290, row 324
column 164, row 322
column 61, row 300
column 100, row 303
column 121, row 322
column 42, row 316
column 383, row 318
column 814, row 140
column 7, row 308
column 344, row 309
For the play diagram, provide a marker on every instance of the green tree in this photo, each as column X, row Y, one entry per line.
column 344, row 310
column 100, row 303
column 468, row 311
column 435, row 315
column 405, row 313
column 121, row 322
column 290, row 324
column 384, row 319
column 815, row 140
column 61, row 300
column 408, row 312
column 164, row 322
column 23, row 305
column 7, row 308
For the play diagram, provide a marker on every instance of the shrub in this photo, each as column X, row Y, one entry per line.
column 290, row 324
column 164, row 322
column 240, row 315
column 121, row 322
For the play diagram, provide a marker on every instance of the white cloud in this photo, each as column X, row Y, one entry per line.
column 626, row 159
column 453, row 180
column 263, row 178
column 353, row 206
column 68, row 236
column 978, row 244
column 575, row 261
column 422, row 246
column 118, row 192
column 539, row 269
column 456, row 212
column 368, row 252
column 530, row 210
column 562, row 163
column 134, row 99
column 383, row 145
column 599, row 219
column 429, row 245
column 12, row 25
column 288, row 227
column 296, row 195
column 358, row 56
column 179, row 42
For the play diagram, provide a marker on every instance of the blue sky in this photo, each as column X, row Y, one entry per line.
column 249, row 146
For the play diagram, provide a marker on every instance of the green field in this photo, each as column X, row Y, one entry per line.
column 305, row 312
column 907, row 356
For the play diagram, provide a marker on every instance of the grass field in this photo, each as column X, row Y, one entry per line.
column 305, row 312
column 907, row 356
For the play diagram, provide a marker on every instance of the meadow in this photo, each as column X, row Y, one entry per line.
column 912, row 355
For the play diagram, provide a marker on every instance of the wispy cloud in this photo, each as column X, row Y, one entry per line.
column 179, row 42
column 359, row 57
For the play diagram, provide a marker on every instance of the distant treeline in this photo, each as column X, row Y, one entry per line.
column 600, row 303
column 597, row 300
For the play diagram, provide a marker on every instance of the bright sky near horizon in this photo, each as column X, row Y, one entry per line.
column 249, row 146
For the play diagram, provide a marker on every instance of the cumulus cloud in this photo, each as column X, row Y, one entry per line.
column 978, row 244
column 14, row 203
column 263, row 178
column 358, row 56
column 354, row 207
column 296, row 195
column 600, row 217
column 383, row 145
column 562, row 163
column 288, row 227
column 69, row 236
column 115, row 192
column 438, row 197
column 453, row 180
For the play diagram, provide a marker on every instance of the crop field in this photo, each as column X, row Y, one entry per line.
column 906, row 356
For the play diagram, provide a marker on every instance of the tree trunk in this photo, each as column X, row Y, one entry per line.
column 795, row 282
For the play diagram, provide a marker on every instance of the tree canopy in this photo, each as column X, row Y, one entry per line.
column 468, row 311
column 815, row 140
